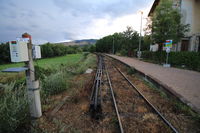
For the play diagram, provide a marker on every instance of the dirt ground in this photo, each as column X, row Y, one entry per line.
column 137, row 116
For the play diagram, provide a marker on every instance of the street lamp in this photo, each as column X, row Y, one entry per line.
column 139, row 49
column 113, row 46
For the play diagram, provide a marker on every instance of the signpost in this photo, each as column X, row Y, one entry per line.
column 168, row 45
column 32, row 84
column 21, row 51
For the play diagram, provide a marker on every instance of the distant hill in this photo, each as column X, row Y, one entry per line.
column 80, row 42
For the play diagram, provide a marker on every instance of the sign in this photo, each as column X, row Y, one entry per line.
column 36, row 52
column 167, row 49
column 168, row 43
column 23, row 39
column 18, row 50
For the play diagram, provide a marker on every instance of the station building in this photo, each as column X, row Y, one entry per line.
column 190, row 11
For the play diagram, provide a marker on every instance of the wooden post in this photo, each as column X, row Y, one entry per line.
column 32, row 84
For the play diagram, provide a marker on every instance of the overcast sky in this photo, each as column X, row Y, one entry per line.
column 62, row 20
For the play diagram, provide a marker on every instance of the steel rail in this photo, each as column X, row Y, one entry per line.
column 114, row 101
column 95, row 98
column 151, row 105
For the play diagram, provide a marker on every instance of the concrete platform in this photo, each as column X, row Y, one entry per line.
column 185, row 84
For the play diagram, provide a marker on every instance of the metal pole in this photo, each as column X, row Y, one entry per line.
column 113, row 46
column 139, row 50
column 32, row 84
column 167, row 58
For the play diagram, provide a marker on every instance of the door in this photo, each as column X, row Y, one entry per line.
column 184, row 45
column 199, row 45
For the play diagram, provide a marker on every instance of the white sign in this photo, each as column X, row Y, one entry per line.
column 167, row 49
column 18, row 51
column 36, row 52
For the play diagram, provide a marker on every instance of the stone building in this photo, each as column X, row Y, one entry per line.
column 190, row 10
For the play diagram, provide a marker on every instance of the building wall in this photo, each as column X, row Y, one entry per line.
column 188, row 15
column 196, row 11
column 190, row 10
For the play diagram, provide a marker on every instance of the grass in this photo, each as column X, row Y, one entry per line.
column 52, row 63
column 14, row 107
column 59, row 80
column 48, row 62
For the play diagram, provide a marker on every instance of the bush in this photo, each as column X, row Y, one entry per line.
column 190, row 60
column 41, row 73
column 55, row 83
column 123, row 52
column 14, row 108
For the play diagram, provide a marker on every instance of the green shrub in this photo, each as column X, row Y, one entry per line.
column 85, row 54
column 123, row 52
column 131, row 71
column 55, row 83
column 13, row 108
column 190, row 60
column 41, row 73
column 60, row 80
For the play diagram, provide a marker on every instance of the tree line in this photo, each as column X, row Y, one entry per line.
column 52, row 50
column 47, row 50
column 124, row 43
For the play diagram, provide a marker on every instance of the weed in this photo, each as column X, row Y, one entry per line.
column 55, row 83
column 131, row 71
column 14, row 108
column 114, row 121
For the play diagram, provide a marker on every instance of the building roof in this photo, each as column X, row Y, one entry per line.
column 153, row 7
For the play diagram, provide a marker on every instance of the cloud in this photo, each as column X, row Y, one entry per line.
column 57, row 20
column 100, row 8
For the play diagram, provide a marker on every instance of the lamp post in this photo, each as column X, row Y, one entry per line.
column 113, row 46
column 139, row 48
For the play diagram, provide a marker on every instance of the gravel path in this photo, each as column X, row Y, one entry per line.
column 183, row 83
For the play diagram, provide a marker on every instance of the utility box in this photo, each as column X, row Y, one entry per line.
column 18, row 50
column 36, row 52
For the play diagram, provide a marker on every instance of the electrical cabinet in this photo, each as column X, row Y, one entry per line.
column 19, row 50
column 36, row 52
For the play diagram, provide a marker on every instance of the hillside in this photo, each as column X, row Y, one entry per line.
column 80, row 42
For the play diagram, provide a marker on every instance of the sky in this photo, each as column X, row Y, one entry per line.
column 64, row 20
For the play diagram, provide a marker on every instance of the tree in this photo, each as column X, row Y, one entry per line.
column 92, row 48
column 5, row 53
column 166, row 23
column 146, row 41
column 124, row 42
column 131, row 40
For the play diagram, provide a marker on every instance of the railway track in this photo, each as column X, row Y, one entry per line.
column 95, row 99
column 133, row 111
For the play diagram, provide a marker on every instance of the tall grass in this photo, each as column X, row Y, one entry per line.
column 55, row 83
column 60, row 79
column 13, row 108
